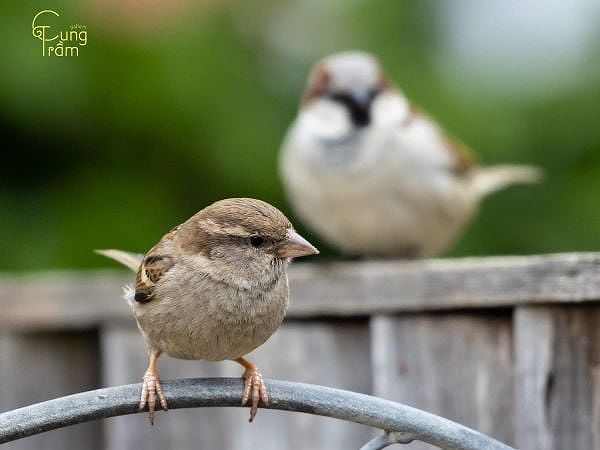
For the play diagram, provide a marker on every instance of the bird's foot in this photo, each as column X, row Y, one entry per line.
column 254, row 389
column 151, row 389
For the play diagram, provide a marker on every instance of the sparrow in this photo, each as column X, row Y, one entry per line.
column 372, row 174
column 214, row 288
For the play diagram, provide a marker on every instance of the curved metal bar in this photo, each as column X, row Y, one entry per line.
column 283, row 395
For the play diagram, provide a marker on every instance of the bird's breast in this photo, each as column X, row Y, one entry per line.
column 199, row 318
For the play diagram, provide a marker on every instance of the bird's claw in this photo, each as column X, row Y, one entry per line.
column 151, row 389
column 255, row 390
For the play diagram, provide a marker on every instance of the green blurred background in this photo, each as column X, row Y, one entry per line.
column 175, row 104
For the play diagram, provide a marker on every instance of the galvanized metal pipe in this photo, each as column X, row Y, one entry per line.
column 284, row 395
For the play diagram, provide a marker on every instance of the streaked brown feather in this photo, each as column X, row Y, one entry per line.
column 153, row 267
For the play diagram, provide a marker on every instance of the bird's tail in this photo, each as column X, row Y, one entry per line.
column 128, row 259
column 493, row 178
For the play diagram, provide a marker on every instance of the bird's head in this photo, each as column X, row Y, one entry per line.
column 352, row 80
column 246, row 241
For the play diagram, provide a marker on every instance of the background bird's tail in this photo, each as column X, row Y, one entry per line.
column 128, row 259
column 493, row 178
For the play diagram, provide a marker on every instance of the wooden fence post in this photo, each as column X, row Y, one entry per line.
column 557, row 387
column 455, row 365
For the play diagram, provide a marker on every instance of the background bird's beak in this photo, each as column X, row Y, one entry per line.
column 361, row 97
column 295, row 246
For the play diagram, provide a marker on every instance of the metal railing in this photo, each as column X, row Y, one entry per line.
column 400, row 423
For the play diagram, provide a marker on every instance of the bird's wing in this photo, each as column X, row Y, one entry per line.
column 155, row 264
column 150, row 268
column 461, row 157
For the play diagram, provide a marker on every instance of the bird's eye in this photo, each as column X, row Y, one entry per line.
column 256, row 240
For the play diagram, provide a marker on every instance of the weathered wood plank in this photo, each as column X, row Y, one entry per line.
column 51, row 300
column 455, row 365
column 37, row 367
column 444, row 284
column 326, row 353
column 557, row 384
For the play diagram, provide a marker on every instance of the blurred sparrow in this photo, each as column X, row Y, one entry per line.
column 214, row 288
column 372, row 174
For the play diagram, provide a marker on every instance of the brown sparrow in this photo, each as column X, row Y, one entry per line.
column 372, row 174
column 214, row 288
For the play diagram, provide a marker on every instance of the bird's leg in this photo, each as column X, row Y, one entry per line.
column 254, row 387
column 151, row 388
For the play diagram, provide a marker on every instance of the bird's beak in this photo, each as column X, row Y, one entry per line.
column 295, row 246
column 361, row 97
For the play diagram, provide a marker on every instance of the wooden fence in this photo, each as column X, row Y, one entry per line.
column 509, row 346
